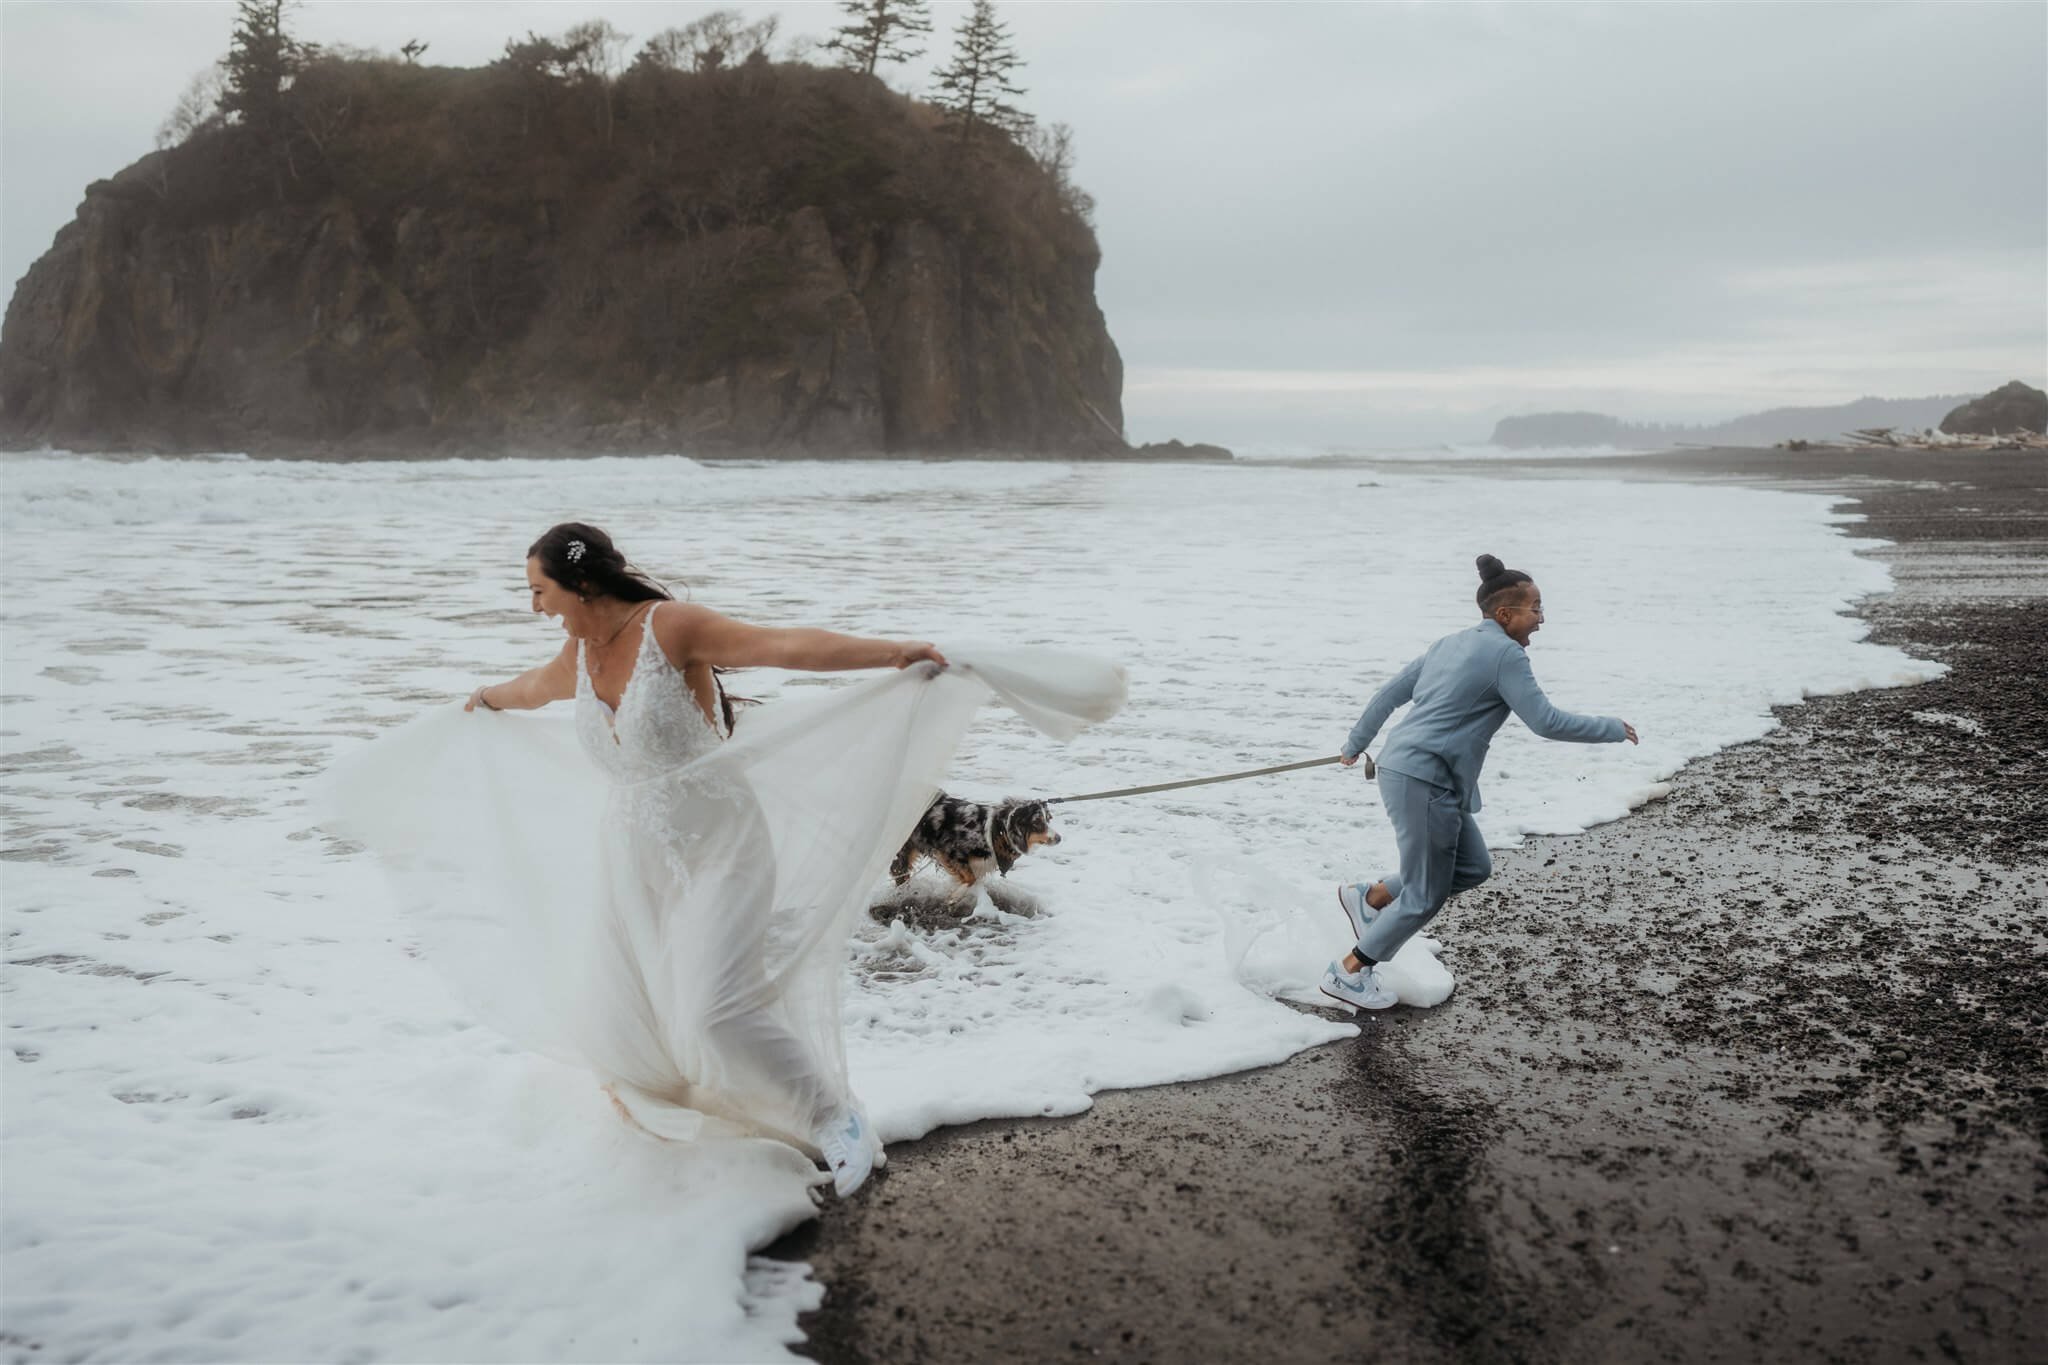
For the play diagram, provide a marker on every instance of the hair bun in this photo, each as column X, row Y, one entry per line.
column 1489, row 567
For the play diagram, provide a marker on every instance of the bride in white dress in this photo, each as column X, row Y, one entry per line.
column 671, row 908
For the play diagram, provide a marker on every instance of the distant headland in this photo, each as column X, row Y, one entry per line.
column 2013, row 408
column 1578, row 429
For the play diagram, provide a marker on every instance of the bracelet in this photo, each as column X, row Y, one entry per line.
column 485, row 701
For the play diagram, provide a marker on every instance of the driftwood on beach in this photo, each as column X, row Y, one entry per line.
column 1895, row 439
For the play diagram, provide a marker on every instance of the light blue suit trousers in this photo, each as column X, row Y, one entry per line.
column 1441, row 853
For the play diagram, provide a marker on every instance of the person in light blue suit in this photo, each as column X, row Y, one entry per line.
column 1463, row 688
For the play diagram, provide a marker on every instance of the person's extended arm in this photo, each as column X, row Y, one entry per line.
column 690, row 634
column 1517, row 683
column 1399, row 690
column 554, row 680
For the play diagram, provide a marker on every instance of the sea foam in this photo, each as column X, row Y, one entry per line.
column 244, row 1122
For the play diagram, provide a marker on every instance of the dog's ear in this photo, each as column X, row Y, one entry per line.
column 1003, row 841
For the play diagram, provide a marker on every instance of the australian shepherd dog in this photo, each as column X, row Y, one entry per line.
column 969, row 839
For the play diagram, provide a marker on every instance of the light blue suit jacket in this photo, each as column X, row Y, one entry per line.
column 1463, row 688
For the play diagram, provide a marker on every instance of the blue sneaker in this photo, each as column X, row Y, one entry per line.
column 848, row 1145
column 1360, row 990
column 1351, row 895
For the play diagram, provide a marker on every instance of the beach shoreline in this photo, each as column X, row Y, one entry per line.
column 1793, row 1108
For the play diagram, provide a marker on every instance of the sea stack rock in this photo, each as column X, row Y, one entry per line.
column 1557, row 430
column 768, row 258
column 2015, row 407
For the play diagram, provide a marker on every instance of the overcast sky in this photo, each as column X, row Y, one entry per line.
column 1339, row 224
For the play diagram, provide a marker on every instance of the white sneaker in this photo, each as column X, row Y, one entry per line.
column 1351, row 895
column 1360, row 990
column 849, row 1148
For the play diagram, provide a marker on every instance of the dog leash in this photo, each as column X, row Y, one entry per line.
column 1207, row 781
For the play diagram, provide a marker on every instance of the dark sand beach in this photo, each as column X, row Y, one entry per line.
column 1754, row 1074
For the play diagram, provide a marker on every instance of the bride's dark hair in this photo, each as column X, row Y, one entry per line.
column 598, row 569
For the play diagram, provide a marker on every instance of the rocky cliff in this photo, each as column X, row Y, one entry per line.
column 772, row 258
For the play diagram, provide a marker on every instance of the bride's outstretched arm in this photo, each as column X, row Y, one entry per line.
column 554, row 680
column 691, row 634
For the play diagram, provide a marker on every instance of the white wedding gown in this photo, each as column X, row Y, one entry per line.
column 669, row 910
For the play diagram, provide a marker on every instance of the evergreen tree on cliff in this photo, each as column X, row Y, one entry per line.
column 972, row 87
column 261, row 60
column 880, row 31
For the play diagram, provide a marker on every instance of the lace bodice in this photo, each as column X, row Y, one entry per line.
column 658, row 727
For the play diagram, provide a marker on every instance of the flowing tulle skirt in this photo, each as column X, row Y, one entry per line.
column 683, row 937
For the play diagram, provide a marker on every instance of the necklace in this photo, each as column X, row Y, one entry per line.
column 596, row 664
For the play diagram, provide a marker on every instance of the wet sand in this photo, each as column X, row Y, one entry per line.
column 1795, row 1109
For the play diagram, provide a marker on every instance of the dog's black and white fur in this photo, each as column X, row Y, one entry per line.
column 968, row 839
